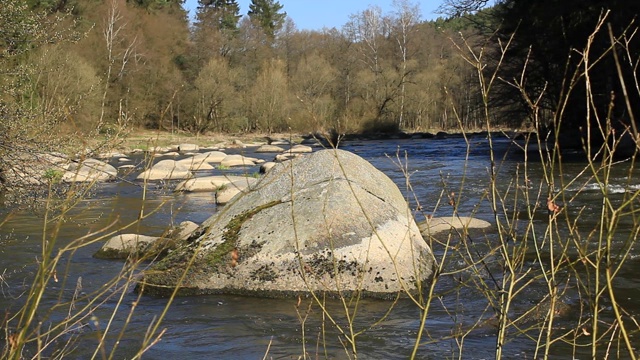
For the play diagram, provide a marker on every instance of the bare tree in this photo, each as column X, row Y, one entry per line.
column 215, row 95
column 113, row 26
column 403, row 24
column 269, row 103
column 313, row 83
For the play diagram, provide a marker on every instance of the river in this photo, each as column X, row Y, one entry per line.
column 234, row 327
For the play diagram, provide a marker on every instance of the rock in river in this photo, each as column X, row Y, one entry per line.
column 434, row 226
column 329, row 222
column 166, row 170
column 208, row 183
column 124, row 245
column 89, row 170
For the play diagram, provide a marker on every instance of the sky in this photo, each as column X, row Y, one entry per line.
column 317, row 14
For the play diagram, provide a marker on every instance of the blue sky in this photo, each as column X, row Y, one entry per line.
column 316, row 14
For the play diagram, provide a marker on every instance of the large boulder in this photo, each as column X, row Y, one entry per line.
column 89, row 170
column 328, row 222
column 166, row 170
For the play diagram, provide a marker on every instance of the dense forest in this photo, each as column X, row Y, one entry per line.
column 82, row 65
column 113, row 63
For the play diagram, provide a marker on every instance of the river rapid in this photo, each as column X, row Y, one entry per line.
column 441, row 173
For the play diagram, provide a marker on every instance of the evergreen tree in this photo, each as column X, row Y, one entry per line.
column 214, row 29
column 550, row 37
column 266, row 13
column 224, row 13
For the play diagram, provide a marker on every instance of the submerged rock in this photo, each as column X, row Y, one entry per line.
column 299, row 149
column 237, row 160
column 441, row 224
column 269, row 149
column 207, row 183
column 125, row 245
column 328, row 222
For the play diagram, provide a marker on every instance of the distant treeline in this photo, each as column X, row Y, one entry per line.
column 141, row 63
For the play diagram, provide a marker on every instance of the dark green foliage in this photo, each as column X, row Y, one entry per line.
column 51, row 6
column 461, row 8
column 485, row 21
column 225, row 12
column 267, row 14
column 557, row 32
column 155, row 4
column 257, row 73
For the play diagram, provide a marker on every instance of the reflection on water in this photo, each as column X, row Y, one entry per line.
column 232, row 327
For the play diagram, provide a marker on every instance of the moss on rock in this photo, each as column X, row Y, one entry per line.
column 167, row 273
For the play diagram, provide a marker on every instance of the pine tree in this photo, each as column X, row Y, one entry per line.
column 226, row 13
column 266, row 13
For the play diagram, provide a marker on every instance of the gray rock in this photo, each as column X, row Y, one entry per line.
column 170, row 153
column 299, row 149
column 327, row 222
column 212, row 156
column 183, row 231
column 110, row 154
column 188, row 147
column 441, row 224
column 237, row 160
column 196, row 163
column 157, row 149
column 267, row 166
column 285, row 157
column 33, row 169
column 125, row 245
column 269, row 149
column 53, row 158
column 230, row 190
column 89, row 170
column 206, row 183
column 166, row 170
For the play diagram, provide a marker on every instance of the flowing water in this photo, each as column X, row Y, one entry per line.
column 233, row 327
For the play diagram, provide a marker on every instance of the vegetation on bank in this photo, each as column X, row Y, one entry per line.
column 101, row 69
column 145, row 65
column 86, row 67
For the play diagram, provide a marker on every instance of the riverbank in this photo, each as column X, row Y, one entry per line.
column 144, row 139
